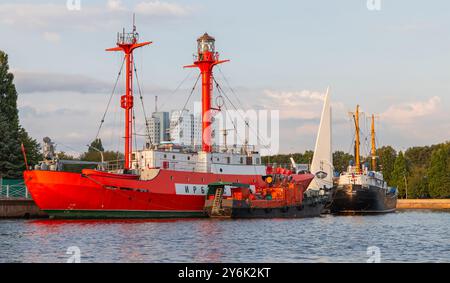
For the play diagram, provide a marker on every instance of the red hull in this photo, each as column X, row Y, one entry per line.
column 96, row 194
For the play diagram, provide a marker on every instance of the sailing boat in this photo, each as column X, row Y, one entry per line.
column 322, row 162
column 359, row 189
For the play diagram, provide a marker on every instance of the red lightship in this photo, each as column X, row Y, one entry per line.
column 154, row 182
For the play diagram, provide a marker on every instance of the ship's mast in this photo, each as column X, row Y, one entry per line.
column 206, row 59
column 357, row 142
column 374, row 149
column 128, row 42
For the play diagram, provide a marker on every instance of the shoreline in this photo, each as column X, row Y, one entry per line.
column 20, row 209
column 26, row 208
column 423, row 204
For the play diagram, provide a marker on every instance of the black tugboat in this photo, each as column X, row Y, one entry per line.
column 360, row 190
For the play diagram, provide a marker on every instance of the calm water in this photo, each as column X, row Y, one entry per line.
column 413, row 236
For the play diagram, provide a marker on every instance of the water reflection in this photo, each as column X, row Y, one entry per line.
column 416, row 236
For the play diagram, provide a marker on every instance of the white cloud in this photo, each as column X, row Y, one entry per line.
column 39, row 16
column 161, row 8
column 31, row 82
column 408, row 112
column 115, row 5
column 30, row 15
column 416, row 123
column 307, row 129
column 52, row 37
column 303, row 104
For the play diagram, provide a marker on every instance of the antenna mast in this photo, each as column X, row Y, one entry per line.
column 357, row 142
column 127, row 43
column 374, row 149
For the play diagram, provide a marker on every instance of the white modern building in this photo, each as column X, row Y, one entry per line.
column 159, row 125
column 182, row 127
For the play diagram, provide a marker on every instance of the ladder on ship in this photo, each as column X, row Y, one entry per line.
column 216, row 208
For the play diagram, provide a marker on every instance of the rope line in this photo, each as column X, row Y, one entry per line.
column 176, row 89
column 110, row 98
column 185, row 104
column 147, row 127
column 263, row 142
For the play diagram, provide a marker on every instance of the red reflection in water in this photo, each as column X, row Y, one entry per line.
column 57, row 222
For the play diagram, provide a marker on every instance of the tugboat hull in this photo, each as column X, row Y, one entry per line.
column 356, row 199
column 264, row 209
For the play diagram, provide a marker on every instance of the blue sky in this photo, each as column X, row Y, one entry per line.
column 393, row 62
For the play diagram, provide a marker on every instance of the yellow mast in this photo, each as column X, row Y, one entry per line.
column 374, row 149
column 357, row 142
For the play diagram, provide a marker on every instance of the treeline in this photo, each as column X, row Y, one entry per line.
column 12, row 133
column 419, row 172
column 93, row 153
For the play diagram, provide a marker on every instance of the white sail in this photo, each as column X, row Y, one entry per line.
column 322, row 163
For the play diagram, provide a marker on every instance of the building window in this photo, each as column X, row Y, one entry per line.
column 242, row 160
column 228, row 160
column 173, row 156
column 165, row 155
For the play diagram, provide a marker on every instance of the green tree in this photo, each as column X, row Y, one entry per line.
column 96, row 145
column 400, row 174
column 94, row 155
column 285, row 159
column 341, row 160
column 11, row 159
column 32, row 147
column 439, row 172
column 418, row 183
column 386, row 159
column 64, row 156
